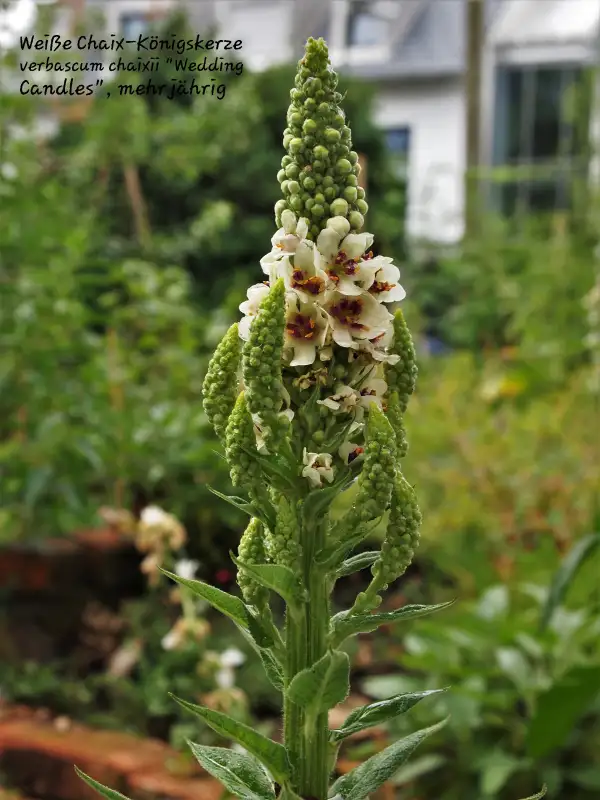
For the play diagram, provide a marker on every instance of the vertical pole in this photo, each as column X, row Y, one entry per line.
column 473, row 77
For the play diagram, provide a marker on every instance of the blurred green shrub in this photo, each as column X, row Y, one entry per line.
column 499, row 471
column 524, row 704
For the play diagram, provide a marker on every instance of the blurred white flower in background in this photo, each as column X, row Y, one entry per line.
column 228, row 660
column 186, row 568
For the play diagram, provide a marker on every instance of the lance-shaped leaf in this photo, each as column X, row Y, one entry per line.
column 368, row 777
column 227, row 604
column 572, row 563
column 358, row 562
column 264, row 514
column 539, row 795
column 334, row 554
column 319, row 500
column 242, row 775
column 344, row 625
column 271, row 754
column 275, row 577
column 110, row 794
column 376, row 713
column 323, row 685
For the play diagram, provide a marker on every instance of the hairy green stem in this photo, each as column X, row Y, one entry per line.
column 307, row 738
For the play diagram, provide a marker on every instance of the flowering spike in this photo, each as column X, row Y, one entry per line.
column 402, row 377
column 402, row 534
column 239, row 439
column 221, row 384
column 394, row 414
column 283, row 545
column 251, row 550
column 261, row 366
column 319, row 174
column 376, row 478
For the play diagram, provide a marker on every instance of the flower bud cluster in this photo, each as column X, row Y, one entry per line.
column 319, row 174
column 376, row 479
column 240, row 441
column 402, row 534
column 284, row 548
column 261, row 366
column 251, row 550
column 221, row 384
column 395, row 416
column 402, row 376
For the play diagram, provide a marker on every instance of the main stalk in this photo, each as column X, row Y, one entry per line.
column 306, row 639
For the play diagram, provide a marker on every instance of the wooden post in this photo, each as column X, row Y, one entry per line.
column 474, row 22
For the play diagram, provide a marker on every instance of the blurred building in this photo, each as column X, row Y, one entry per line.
column 534, row 53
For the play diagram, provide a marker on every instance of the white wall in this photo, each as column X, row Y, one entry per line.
column 434, row 111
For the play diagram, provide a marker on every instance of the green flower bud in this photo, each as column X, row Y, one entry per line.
column 356, row 220
column 360, row 192
column 281, row 175
column 402, row 377
column 295, row 145
column 317, row 210
column 332, row 135
column 292, row 171
column 402, row 534
column 362, row 206
column 321, row 152
column 309, row 126
column 240, row 442
column 296, row 202
column 350, row 194
column 220, row 387
column 251, row 550
column 261, row 365
column 309, row 183
column 352, row 180
column 339, row 207
column 353, row 157
column 340, row 225
column 293, row 187
column 343, row 166
column 327, row 181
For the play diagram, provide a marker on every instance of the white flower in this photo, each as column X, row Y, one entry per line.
column 255, row 294
column 186, row 568
column 342, row 262
column 385, row 286
column 306, row 330
column 171, row 640
column 318, row 468
column 345, row 399
column 372, row 391
column 285, row 241
column 350, row 452
column 155, row 517
column 228, row 660
column 360, row 317
column 302, row 276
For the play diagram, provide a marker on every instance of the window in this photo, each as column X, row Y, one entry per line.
column 541, row 133
column 398, row 143
column 365, row 27
column 134, row 25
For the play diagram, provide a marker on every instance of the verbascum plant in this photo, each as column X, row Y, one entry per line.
column 312, row 403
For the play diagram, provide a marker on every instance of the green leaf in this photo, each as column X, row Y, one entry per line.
column 242, row 775
column 365, row 779
column 376, row 713
column 356, row 563
column 539, row 795
column 36, row 484
column 243, row 505
column 275, row 577
column 559, row 708
column 226, row 603
column 270, row 753
column 495, row 770
column 565, row 575
column 111, row 794
column 344, row 625
column 333, row 555
column 323, row 685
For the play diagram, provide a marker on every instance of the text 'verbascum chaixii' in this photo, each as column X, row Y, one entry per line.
column 307, row 394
